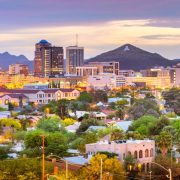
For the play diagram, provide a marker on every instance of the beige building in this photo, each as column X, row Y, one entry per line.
column 15, row 69
column 152, row 82
column 111, row 67
column 103, row 81
column 86, row 70
column 42, row 96
column 142, row 150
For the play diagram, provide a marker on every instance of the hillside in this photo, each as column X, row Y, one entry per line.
column 6, row 59
column 131, row 57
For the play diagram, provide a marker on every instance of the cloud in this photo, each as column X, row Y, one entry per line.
column 165, row 22
column 161, row 37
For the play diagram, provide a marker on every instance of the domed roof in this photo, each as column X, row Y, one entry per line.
column 43, row 42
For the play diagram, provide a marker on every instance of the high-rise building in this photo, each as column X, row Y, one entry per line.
column 74, row 58
column 49, row 61
column 38, row 60
column 53, row 61
column 15, row 69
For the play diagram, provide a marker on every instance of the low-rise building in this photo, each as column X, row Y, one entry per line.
column 142, row 150
column 41, row 96
column 15, row 69
column 18, row 100
column 103, row 81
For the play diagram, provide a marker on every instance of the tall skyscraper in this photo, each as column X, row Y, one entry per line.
column 74, row 58
column 49, row 61
column 53, row 64
column 38, row 60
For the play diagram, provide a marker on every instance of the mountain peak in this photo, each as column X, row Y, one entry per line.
column 132, row 57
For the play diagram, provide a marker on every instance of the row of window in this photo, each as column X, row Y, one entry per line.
column 147, row 153
column 140, row 154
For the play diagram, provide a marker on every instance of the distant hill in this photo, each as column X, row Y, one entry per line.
column 6, row 59
column 131, row 57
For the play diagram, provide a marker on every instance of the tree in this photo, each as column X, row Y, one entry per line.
column 85, row 97
column 61, row 108
column 172, row 98
column 121, row 105
column 88, row 122
column 33, row 139
column 99, row 95
column 23, row 169
column 131, row 166
column 117, row 134
column 164, row 142
column 68, row 121
column 4, row 152
column 111, row 168
column 158, row 126
column 49, row 124
column 166, row 162
column 143, row 124
column 57, row 143
column 84, row 139
column 143, row 107
column 9, row 122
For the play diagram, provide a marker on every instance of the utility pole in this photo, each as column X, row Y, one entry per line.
column 101, row 170
column 66, row 169
column 170, row 174
column 42, row 157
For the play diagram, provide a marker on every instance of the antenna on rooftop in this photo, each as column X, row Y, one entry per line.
column 76, row 39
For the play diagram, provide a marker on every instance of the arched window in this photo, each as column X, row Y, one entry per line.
column 140, row 154
column 129, row 153
column 135, row 154
column 146, row 153
column 151, row 152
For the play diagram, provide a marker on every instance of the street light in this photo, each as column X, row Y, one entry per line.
column 168, row 170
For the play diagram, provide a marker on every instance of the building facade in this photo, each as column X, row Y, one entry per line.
column 53, row 61
column 142, row 150
column 41, row 96
column 74, row 58
column 111, row 67
column 15, row 69
column 103, row 81
column 39, row 58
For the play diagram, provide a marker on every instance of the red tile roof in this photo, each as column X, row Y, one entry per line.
column 15, row 96
column 34, row 91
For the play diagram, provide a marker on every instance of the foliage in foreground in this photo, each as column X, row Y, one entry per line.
column 23, row 169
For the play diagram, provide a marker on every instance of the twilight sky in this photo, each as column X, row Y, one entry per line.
column 102, row 25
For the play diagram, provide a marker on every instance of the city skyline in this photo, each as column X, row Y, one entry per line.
column 102, row 26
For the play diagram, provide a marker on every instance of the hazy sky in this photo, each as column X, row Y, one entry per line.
column 102, row 25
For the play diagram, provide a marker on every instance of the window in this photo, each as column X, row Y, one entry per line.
column 129, row 153
column 146, row 153
column 49, row 95
column 140, row 154
column 135, row 154
column 151, row 152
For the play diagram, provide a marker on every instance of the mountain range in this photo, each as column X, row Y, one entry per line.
column 129, row 57
column 6, row 59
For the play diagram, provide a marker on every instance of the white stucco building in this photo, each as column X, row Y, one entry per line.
column 142, row 150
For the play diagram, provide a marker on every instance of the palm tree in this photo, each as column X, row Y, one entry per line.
column 164, row 142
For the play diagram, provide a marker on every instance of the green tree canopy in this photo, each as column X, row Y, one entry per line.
column 49, row 124
column 143, row 107
column 143, row 124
